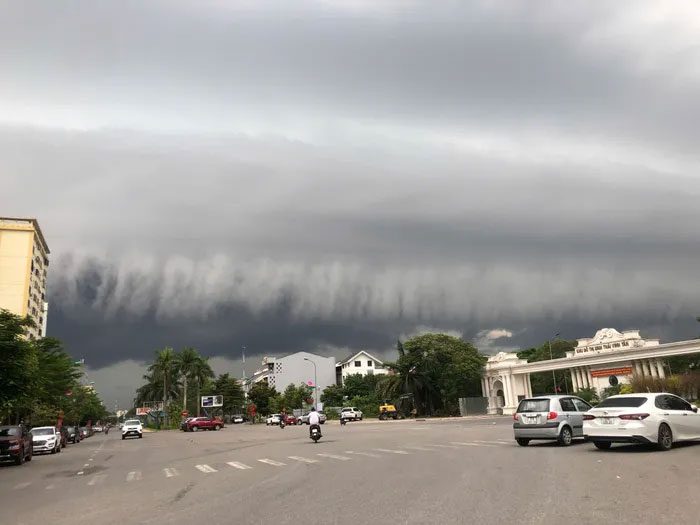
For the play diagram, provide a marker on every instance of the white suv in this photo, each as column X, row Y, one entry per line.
column 132, row 427
column 351, row 413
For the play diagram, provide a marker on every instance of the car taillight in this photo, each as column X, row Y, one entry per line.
column 588, row 417
column 552, row 415
column 515, row 417
column 633, row 417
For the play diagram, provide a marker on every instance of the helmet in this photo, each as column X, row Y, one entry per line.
column 313, row 409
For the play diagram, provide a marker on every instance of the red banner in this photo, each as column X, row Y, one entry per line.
column 623, row 371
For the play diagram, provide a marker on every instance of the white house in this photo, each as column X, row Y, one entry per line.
column 362, row 363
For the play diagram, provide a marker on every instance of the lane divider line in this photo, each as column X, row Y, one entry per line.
column 334, row 456
column 236, row 464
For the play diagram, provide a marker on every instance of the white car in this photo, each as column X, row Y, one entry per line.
column 351, row 414
column 132, row 427
column 97, row 428
column 46, row 439
column 273, row 419
column 661, row 419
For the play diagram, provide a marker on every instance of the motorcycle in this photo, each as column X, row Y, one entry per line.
column 315, row 433
column 282, row 423
column 343, row 421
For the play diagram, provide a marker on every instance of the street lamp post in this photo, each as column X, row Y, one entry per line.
column 315, row 381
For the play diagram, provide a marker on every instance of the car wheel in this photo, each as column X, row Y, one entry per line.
column 19, row 460
column 59, row 449
column 665, row 441
column 565, row 437
column 602, row 445
column 29, row 456
column 216, row 427
column 123, row 437
column 195, row 429
column 140, row 436
column 523, row 442
column 53, row 450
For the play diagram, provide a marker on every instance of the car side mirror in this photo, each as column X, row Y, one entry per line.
column 694, row 408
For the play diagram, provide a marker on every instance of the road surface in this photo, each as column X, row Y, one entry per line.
column 457, row 471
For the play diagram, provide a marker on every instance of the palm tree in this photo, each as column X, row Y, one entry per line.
column 409, row 375
column 165, row 368
column 201, row 372
column 187, row 363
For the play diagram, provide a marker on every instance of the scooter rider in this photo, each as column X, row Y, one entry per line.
column 314, row 420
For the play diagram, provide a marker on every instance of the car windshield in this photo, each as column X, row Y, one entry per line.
column 622, row 402
column 534, row 405
column 43, row 431
column 9, row 431
column 133, row 422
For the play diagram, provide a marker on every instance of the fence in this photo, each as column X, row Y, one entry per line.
column 472, row 406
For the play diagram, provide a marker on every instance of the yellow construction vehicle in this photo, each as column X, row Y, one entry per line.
column 387, row 410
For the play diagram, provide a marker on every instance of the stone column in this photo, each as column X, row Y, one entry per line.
column 638, row 370
column 506, row 391
column 588, row 377
column 528, row 383
column 512, row 398
column 660, row 368
column 652, row 367
column 574, row 380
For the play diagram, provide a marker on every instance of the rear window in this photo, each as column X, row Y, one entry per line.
column 534, row 405
column 622, row 402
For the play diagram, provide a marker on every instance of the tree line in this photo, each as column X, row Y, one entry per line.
column 179, row 379
column 39, row 381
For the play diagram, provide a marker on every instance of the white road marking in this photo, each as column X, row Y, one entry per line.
column 442, row 446
column 420, row 448
column 466, row 444
column 367, row 454
column 334, row 456
column 236, row 464
column 81, row 473
column 50, row 487
column 134, row 475
column 21, row 486
column 206, row 469
column 303, row 459
column 171, row 472
column 272, row 462
column 388, row 451
column 489, row 442
column 98, row 478
column 86, row 465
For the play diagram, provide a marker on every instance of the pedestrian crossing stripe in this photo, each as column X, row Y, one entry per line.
column 303, row 459
column 334, row 456
column 366, row 454
column 206, row 469
column 236, row 464
column 98, row 478
column 134, row 475
column 272, row 462
column 388, row 451
column 170, row 472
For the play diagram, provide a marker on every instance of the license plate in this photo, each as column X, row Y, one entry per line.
column 531, row 420
column 606, row 420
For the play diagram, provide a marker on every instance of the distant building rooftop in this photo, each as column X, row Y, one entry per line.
column 34, row 223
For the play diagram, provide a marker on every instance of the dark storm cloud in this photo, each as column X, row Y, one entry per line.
column 331, row 175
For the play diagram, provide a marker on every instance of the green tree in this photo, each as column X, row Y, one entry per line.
column 333, row 396
column 260, row 394
column 230, row 389
column 201, row 374
column 164, row 369
column 436, row 369
column 295, row 395
column 543, row 382
column 18, row 366
column 186, row 363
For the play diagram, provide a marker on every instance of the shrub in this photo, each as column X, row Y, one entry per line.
column 588, row 394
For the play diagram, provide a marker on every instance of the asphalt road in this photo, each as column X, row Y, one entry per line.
column 458, row 471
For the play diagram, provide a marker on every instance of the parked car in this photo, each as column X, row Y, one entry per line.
column 45, row 439
column 15, row 444
column 304, row 419
column 132, row 427
column 97, row 428
column 351, row 414
column 237, row 419
column 84, row 433
column 290, row 419
column 183, row 424
column 555, row 417
column 273, row 419
column 73, row 434
column 204, row 423
column 661, row 419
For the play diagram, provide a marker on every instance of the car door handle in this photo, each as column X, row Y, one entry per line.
column 666, row 414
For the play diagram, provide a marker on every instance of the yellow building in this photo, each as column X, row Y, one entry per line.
column 24, row 261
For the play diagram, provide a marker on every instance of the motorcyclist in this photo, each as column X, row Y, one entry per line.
column 314, row 420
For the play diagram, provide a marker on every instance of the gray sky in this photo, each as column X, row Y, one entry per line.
column 334, row 175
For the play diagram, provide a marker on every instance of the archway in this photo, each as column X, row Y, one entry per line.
column 497, row 390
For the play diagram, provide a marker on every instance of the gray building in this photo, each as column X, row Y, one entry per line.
column 280, row 372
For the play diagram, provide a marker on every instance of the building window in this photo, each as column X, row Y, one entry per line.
column 358, row 364
column 369, row 364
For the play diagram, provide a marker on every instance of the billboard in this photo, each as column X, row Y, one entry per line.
column 142, row 411
column 212, row 401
